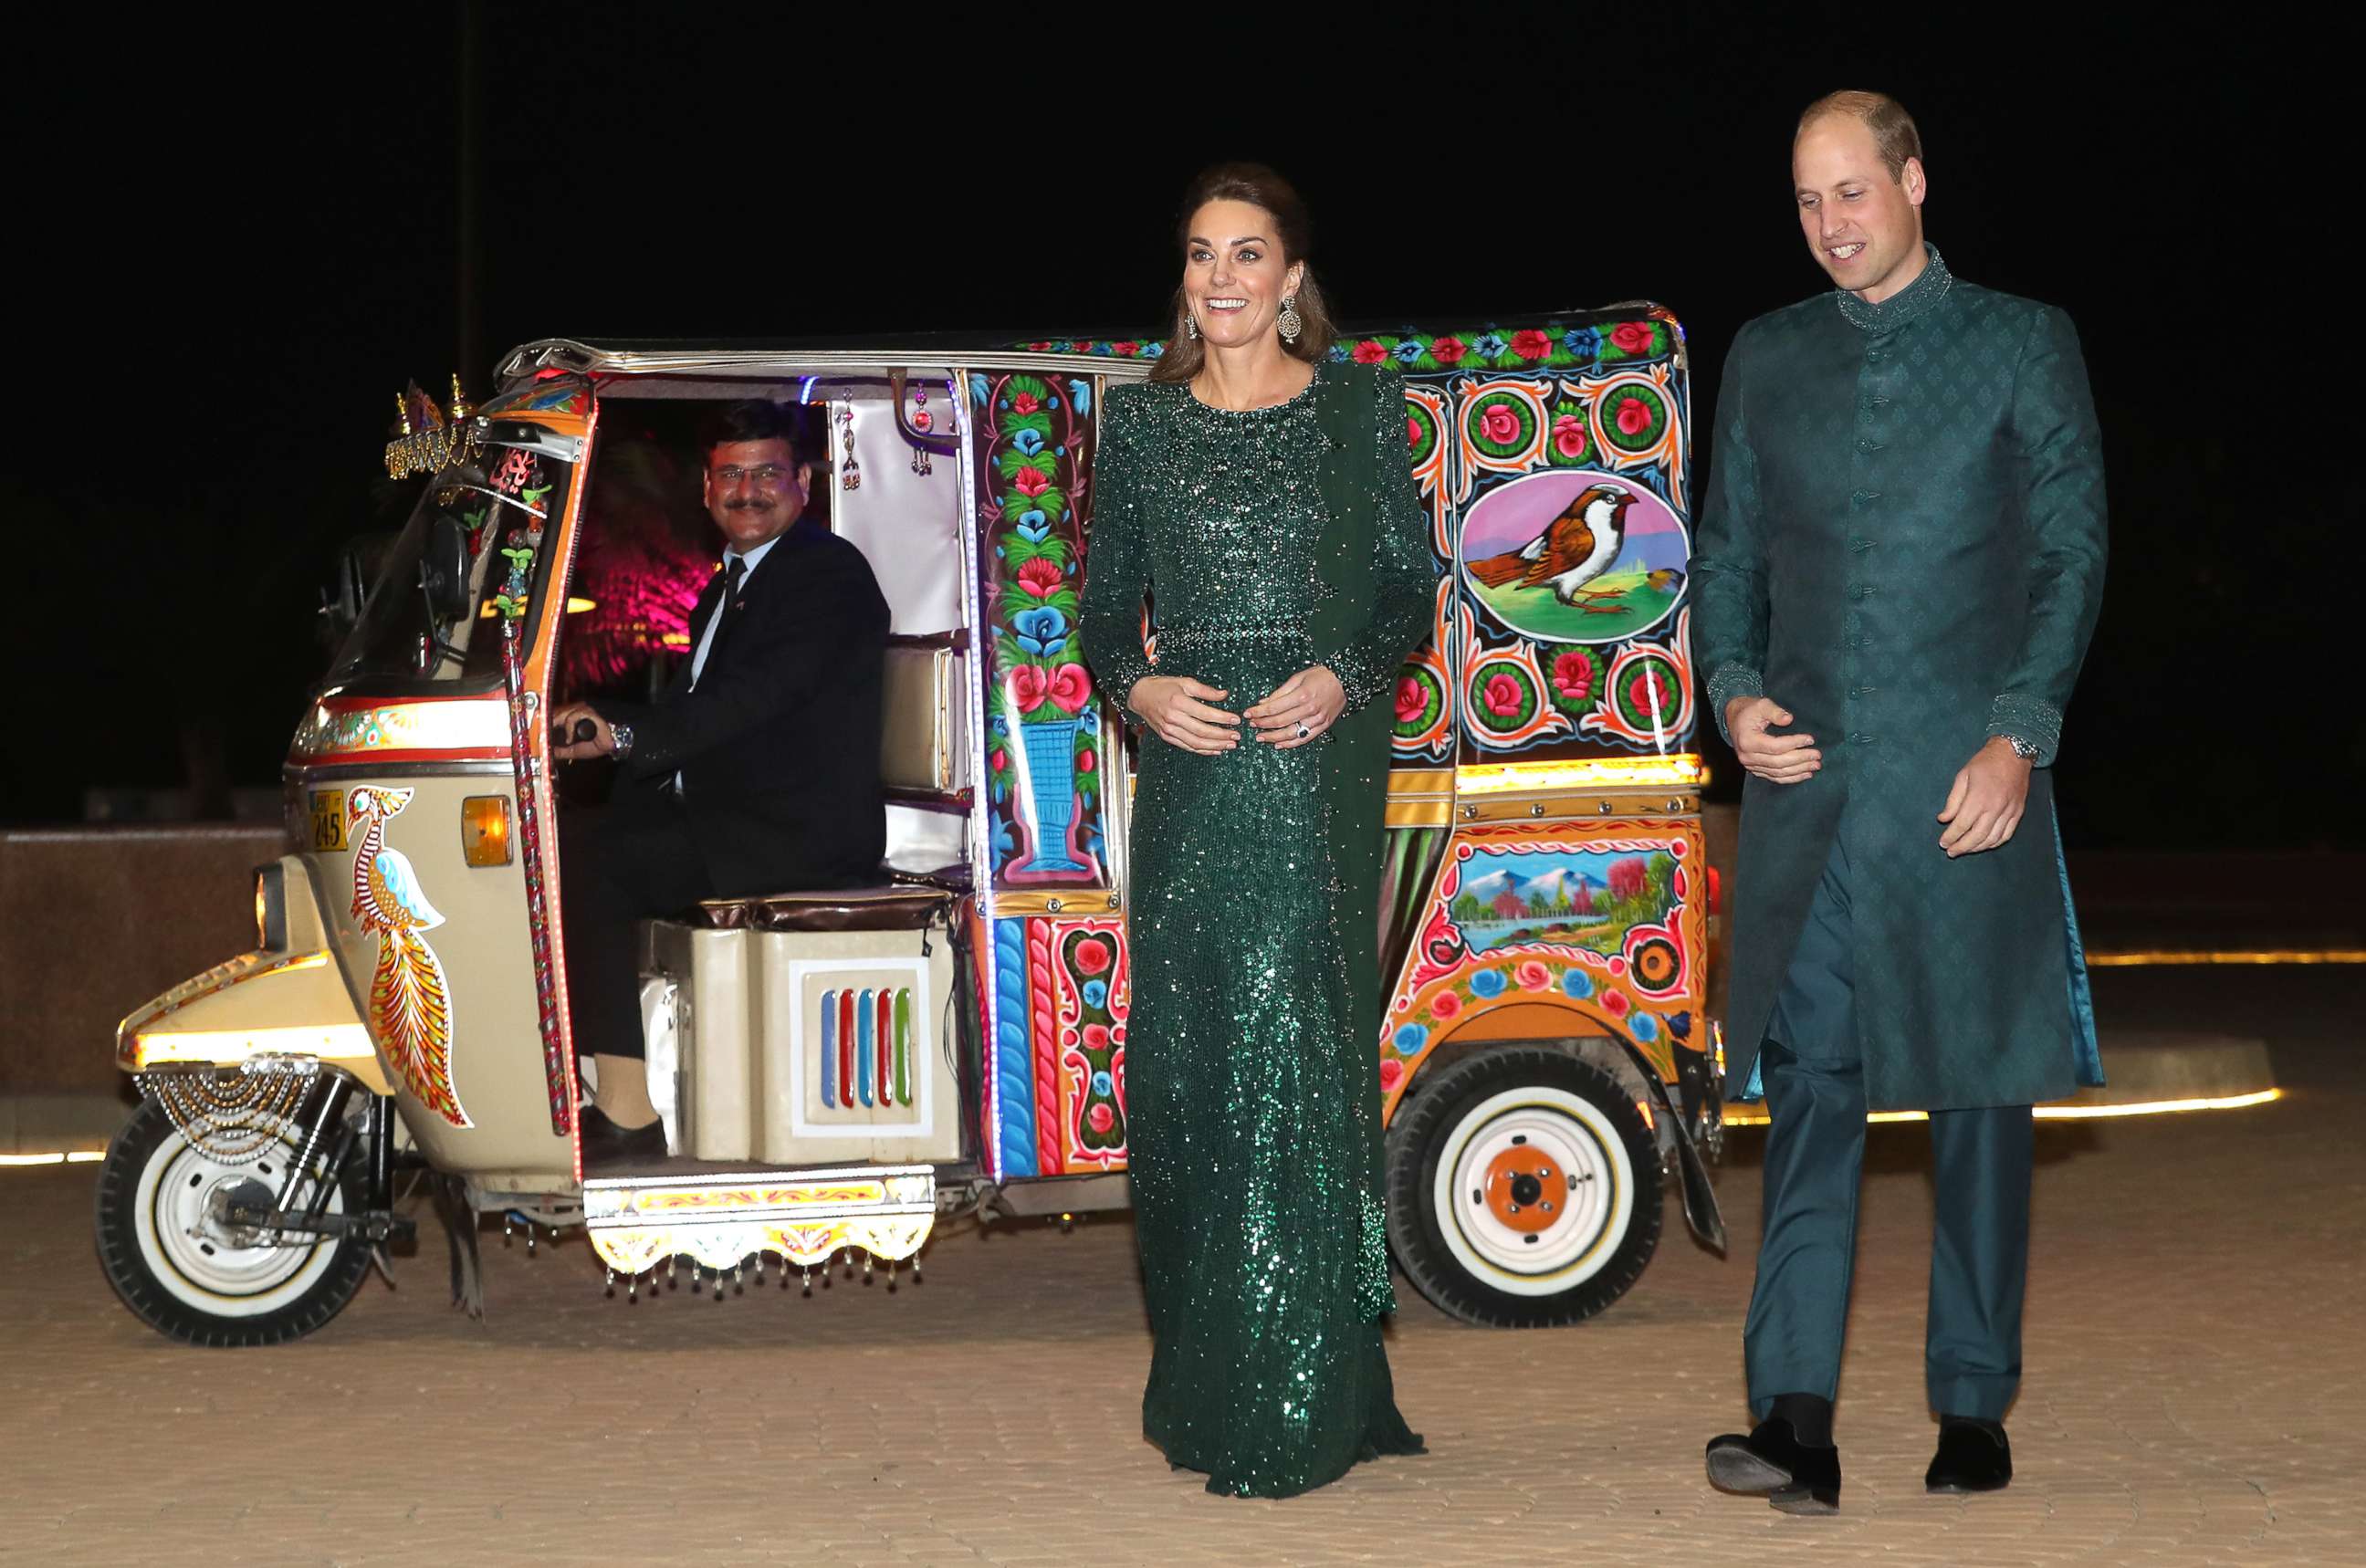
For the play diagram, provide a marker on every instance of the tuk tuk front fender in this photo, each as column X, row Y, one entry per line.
column 290, row 1001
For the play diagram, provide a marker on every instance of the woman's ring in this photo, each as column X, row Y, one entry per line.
column 1303, row 732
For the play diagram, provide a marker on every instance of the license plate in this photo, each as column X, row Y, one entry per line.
column 328, row 820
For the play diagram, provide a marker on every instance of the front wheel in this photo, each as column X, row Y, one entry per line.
column 1524, row 1189
column 189, row 1274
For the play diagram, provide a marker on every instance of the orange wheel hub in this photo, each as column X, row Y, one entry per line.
column 1527, row 1190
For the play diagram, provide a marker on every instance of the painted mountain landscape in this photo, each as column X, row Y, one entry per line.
column 1579, row 898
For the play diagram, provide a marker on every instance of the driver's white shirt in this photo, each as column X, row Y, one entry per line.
column 707, row 638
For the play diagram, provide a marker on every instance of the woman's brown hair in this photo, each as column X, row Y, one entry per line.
column 1261, row 188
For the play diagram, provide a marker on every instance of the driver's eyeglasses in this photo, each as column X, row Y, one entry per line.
column 762, row 478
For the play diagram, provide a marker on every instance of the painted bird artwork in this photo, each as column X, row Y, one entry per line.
column 1575, row 547
column 410, row 1002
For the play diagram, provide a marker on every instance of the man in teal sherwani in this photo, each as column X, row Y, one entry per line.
column 1899, row 565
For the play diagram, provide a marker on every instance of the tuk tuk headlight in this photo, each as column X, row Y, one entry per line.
column 271, row 908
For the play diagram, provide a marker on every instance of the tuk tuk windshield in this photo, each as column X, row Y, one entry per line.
column 473, row 540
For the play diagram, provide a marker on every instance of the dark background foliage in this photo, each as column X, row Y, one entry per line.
column 245, row 238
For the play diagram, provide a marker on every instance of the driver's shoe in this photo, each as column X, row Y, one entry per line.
column 1772, row 1464
column 606, row 1144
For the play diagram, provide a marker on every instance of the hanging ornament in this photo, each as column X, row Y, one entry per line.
column 921, row 421
column 850, row 472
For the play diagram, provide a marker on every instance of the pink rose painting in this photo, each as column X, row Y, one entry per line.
column 1370, row 352
column 1448, row 350
column 1633, row 416
column 1502, row 696
column 1499, row 424
column 1040, row 577
column 1411, row 699
column 1569, row 436
column 1530, row 344
column 1632, row 337
column 1071, row 688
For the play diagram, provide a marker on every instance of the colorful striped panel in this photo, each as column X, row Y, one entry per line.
column 864, row 1024
column 846, row 1048
column 904, row 1046
column 830, row 1049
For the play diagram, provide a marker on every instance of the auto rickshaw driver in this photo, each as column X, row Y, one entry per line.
column 755, row 770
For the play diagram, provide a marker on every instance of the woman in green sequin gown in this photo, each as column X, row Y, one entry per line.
column 1253, row 1104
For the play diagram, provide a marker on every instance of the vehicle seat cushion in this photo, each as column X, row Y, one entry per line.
column 887, row 906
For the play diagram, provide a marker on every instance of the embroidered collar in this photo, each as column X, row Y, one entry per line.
column 1917, row 298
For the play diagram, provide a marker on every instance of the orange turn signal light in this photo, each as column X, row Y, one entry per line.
column 485, row 829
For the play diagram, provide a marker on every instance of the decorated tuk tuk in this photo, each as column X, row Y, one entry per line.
column 838, row 1072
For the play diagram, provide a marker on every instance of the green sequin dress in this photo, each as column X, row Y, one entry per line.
column 1253, row 1101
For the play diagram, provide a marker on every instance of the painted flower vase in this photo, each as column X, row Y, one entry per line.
column 1052, row 788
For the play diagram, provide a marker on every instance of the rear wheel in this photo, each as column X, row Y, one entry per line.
column 1524, row 1189
column 178, row 1263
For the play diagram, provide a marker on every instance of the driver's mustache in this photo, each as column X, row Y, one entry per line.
column 747, row 506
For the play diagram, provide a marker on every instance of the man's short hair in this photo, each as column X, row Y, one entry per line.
column 758, row 419
column 1892, row 127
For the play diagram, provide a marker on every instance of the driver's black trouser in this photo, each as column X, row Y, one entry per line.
column 1815, row 1150
column 619, row 864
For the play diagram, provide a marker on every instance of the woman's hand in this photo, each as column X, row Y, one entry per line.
column 1301, row 708
column 1182, row 712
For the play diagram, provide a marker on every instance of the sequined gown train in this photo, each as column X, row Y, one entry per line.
column 1253, row 1114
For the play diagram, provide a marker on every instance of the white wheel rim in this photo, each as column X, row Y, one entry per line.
column 1593, row 1207
column 191, row 1255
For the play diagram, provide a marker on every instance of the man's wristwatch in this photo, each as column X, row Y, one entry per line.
column 2024, row 749
column 622, row 734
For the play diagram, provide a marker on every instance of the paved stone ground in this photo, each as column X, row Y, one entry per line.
column 2196, row 1392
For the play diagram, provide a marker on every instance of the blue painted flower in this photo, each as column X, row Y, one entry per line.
column 1410, row 351
column 1040, row 632
column 1093, row 842
column 1488, row 983
column 1583, row 342
column 1096, row 993
column 1489, row 345
column 1087, row 722
column 1576, row 983
column 1034, row 525
column 1029, row 443
column 978, row 390
column 1644, row 1027
column 1080, row 393
column 1102, row 1083
column 1411, row 1038
column 999, row 725
column 1153, row 350
column 1680, row 1025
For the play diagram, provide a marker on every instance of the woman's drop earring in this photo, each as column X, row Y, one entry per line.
column 1289, row 320
column 1190, row 324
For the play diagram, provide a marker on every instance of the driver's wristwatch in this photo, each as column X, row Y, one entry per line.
column 2024, row 749
column 621, row 735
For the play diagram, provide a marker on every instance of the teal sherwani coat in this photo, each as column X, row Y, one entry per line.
column 1903, row 545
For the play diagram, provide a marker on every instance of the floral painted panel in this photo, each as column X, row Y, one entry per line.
column 1046, row 753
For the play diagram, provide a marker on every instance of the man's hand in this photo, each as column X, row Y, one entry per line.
column 1182, row 712
column 1777, row 758
column 1985, row 806
column 1301, row 708
column 566, row 747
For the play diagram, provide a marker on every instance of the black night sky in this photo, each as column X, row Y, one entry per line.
column 246, row 236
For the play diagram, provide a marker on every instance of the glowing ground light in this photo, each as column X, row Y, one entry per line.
column 2235, row 955
column 74, row 1157
column 2066, row 1112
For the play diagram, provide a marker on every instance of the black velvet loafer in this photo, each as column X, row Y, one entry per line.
column 606, row 1144
column 1771, row 1462
column 1973, row 1457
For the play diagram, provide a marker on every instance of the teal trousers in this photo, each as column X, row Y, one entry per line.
column 1815, row 1155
